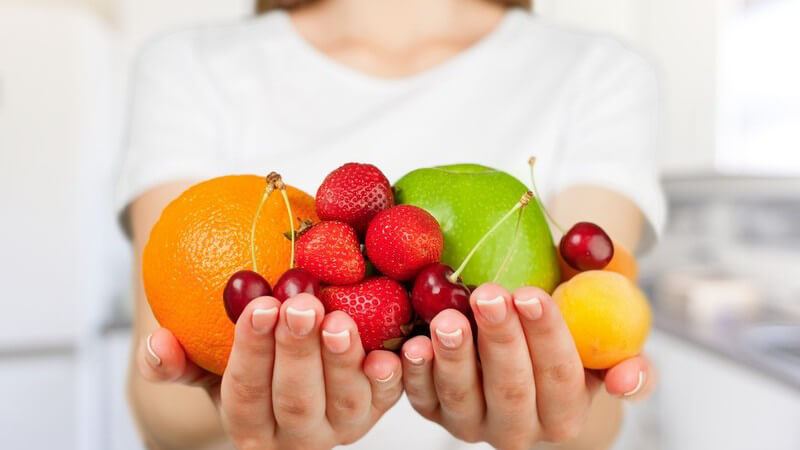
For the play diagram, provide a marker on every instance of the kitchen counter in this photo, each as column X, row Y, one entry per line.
column 767, row 344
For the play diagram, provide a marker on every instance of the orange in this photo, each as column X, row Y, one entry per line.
column 622, row 262
column 608, row 316
column 201, row 239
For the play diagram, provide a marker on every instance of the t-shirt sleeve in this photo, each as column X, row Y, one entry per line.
column 612, row 136
column 174, row 127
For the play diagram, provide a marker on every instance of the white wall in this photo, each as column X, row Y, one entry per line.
column 680, row 37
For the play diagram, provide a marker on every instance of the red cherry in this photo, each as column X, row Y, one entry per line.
column 296, row 281
column 434, row 292
column 586, row 247
column 242, row 287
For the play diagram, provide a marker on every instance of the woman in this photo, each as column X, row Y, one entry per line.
column 401, row 84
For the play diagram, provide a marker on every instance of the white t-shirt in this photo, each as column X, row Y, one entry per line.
column 253, row 96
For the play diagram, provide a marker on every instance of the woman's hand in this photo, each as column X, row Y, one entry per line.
column 529, row 384
column 287, row 384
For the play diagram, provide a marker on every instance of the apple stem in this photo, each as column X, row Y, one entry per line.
column 531, row 163
column 513, row 246
column 267, row 191
column 280, row 185
column 526, row 198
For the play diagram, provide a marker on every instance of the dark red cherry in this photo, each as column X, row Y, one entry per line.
column 433, row 292
column 296, row 281
column 242, row 287
column 586, row 247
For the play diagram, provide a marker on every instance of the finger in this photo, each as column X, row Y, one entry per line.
column 385, row 375
column 633, row 379
column 508, row 382
column 455, row 374
column 562, row 397
column 418, row 376
column 161, row 358
column 246, row 391
column 299, row 384
column 347, row 390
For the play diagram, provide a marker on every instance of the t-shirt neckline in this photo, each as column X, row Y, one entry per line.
column 317, row 57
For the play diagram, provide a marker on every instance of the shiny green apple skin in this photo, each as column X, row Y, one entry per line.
column 467, row 200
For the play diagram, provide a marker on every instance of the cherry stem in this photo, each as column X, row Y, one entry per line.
column 513, row 245
column 267, row 191
column 531, row 163
column 522, row 202
column 280, row 185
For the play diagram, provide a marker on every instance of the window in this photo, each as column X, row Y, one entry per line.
column 758, row 120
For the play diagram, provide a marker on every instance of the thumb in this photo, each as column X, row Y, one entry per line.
column 632, row 379
column 161, row 358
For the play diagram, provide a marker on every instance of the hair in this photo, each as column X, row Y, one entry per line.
column 263, row 6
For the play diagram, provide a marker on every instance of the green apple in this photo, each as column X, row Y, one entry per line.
column 467, row 200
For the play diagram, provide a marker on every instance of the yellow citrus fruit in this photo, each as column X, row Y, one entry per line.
column 609, row 317
column 201, row 239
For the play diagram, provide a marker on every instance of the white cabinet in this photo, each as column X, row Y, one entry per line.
column 39, row 401
column 119, row 432
column 707, row 402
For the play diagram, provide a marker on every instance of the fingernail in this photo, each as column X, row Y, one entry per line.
column 638, row 385
column 493, row 310
column 151, row 356
column 263, row 319
column 336, row 342
column 452, row 339
column 415, row 360
column 385, row 379
column 300, row 321
column 530, row 308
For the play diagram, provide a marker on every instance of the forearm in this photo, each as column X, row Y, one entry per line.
column 169, row 415
column 601, row 428
column 172, row 416
column 615, row 213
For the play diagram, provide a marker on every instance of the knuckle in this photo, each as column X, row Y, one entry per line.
column 514, row 393
column 252, row 348
column 451, row 394
column 451, row 355
column 293, row 409
column 414, row 390
column 245, row 390
column 502, row 337
column 563, row 373
column 545, row 330
column 297, row 351
column 339, row 362
column 346, row 405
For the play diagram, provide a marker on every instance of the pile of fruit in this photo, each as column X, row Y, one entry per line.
column 390, row 257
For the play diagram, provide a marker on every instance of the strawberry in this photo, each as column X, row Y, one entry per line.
column 380, row 308
column 402, row 240
column 331, row 252
column 353, row 194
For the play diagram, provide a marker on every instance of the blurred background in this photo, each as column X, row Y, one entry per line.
column 725, row 281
